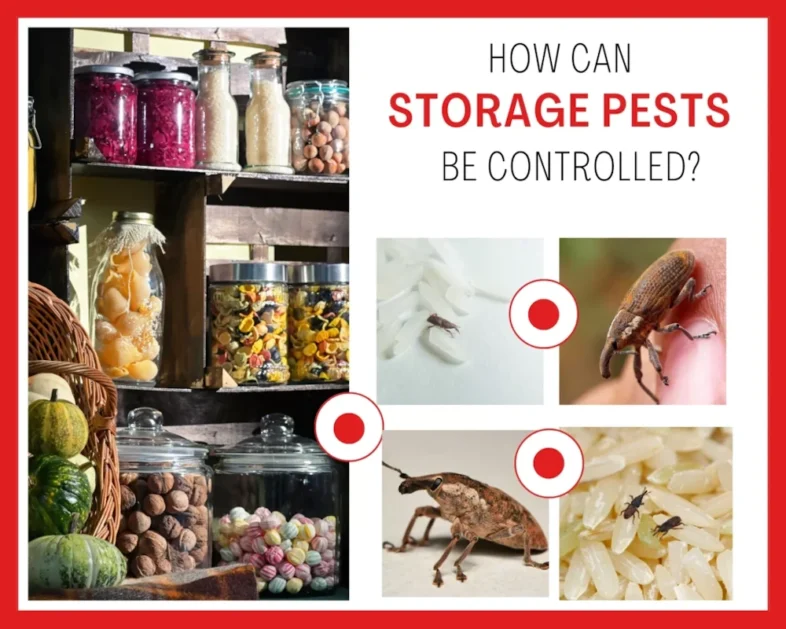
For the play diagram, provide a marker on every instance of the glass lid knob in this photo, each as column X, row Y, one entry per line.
column 146, row 418
column 276, row 427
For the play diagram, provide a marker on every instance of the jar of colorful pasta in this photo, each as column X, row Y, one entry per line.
column 248, row 328
column 318, row 322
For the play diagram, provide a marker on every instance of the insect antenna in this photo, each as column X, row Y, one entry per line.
column 395, row 469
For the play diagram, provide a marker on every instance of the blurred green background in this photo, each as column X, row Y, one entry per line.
column 598, row 271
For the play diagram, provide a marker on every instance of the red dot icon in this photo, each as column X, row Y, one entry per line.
column 549, row 463
column 349, row 428
column 543, row 314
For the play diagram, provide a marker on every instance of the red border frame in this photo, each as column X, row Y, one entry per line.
column 776, row 14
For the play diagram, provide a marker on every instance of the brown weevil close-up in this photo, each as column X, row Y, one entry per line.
column 476, row 511
column 669, row 525
column 632, row 507
column 663, row 286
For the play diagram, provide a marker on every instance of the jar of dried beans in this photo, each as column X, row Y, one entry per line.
column 318, row 322
column 216, row 112
column 319, row 126
column 128, row 298
column 167, row 110
column 105, row 114
column 248, row 310
column 267, row 116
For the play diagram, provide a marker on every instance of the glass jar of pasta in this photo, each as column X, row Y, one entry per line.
column 318, row 322
column 248, row 327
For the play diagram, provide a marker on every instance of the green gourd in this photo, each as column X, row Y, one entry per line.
column 56, row 427
column 58, row 498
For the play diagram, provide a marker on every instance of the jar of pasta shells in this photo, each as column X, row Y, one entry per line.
column 248, row 321
column 128, row 299
column 165, row 494
column 318, row 322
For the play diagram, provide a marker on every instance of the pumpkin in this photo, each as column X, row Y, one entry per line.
column 56, row 427
column 86, row 466
column 32, row 396
column 43, row 383
column 73, row 561
column 58, row 496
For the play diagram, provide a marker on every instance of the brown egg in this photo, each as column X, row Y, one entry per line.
column 331, row 167
column 305, row 133
column 312, row 122
column 326, row 152
column 344, row 122
column 316, row 165
column 341, row 108
column 339, row 132
column 341, row 168
column 310, row 151
column 333, row 118
column 338, row 157
column 337, row 146
column 319, row 140
column 299, row 163
column 325, row 127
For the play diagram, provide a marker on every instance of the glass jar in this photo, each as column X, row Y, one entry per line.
column 318, row 322
column 248, row 321
column 167, row 108
column 165, row 495
column 216, row 112
column 33, row 145
column 267, row 116
column 319, row 126
column 128, row 299
column 105, row 114
column 277, row 498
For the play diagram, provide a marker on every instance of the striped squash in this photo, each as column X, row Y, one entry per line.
column 73, row 561
column 56, row 427
column 58, row 496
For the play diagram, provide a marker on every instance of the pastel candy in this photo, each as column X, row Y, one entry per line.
column 261, row 585
column 313, row 558
column 246, row 543
column 274, row 555
column 307, row 533
column 331, row 520
column 318, row 584
column 330, row 581
column 257, row 560
column 279, row 516
column 236, row 549
column 277, row 585
column 246, row 558
column 306, row 579
column 286, row 570
column 223, row 540
column 296, row 523
column 285, row 545
column 331, row 566
column 331, row 538
column 294, row 586
column 268, row 573
column 225, row 525
column 303, row 572
column 322, row 569
column 319, row 544
column 254, row 530
column 302, row 519
column 258, row 545
column 270, row 523
column 272, row 538
column 239, row 526
column 254, row 519
column 238, row 513
column 296, row 556
column 226, row 554
column 288, row 531
column 262, row 512
column 328, row 555
column 318, row 524
column 302, row 545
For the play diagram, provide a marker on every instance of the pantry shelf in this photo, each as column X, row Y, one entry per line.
column 286, row 388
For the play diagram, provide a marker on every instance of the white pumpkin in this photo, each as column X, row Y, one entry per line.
column 84, row 464
column 44, row 383
column 32, row 396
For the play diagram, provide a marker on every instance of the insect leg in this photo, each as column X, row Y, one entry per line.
column 437, row 574
column 673, row 327
column 639, row 374
column 626, row 352
column 655, row 360
column 459, row 572
column 424, row 540
column 512, row 531
column 687, row 292
column 430, row 512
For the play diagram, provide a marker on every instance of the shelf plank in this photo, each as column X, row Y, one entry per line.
column 273, row 36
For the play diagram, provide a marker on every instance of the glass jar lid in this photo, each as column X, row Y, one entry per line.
column 140, row 218
column 321, row 273
column 237, row 272
column 310, row 88
column 164, row 76
column 276, row 447
column 266, row 59
column 213, row 56
column 145, row 440
column 102, row 69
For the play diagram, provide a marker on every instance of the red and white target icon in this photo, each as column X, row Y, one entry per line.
column 549, row 463
column 349, row 426
column 543, row 314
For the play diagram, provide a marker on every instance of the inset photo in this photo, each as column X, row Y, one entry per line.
column 444, row 334
column 652, row 321
column 455, row 519
column 651, row 518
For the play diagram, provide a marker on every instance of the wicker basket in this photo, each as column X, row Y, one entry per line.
column 59, row 344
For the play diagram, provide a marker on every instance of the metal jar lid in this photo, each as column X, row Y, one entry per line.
column 319, row 273
column 164, row 76
column 140, row 218
column 242, row 272
column 99, row 69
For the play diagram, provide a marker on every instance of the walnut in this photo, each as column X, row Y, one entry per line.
column 180, row 561
column 186, row 541
column 152, row 545
column 163, row 566
column 199, row 495
column 153, row 505
column 200, row 532
column 169, row 481
column 140, row 489
column 143, row 566
column 128, row 479
column 198, row 554
column 176, row 501
column 127, row 542
column 155, row 484
column 127, row 498
column 202, row 515
column 197, row 479
column 138, row 522
column 122, row 524
column 184, row 484
column 170, row 527
column 193, row 516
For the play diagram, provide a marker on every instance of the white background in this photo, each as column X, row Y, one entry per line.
column 396, row 192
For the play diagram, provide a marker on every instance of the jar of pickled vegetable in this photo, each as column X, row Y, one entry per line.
column 318, row 322
column 167, row 110
column 248, row 321
column 128, row 299
column 105, row 114
column 319, row 126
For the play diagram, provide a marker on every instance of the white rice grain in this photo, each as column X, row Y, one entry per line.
column 598, row 562
column 676, row 505
column 577, row 579
column 724, row 568
column 677, row 551
column 719, row 505
column 632, row 568
column 726, row 527
column 693, row 536
column 687, row 593
column 640, row 549
column 600, row 501
column 639, row 450
column 601, row 467
column 716, row 451
column 684, row 439
column 691, row 482
column 664, row 458
column 577, row 503
column 650, row 592
column 725, row 475
column 703, row 579
column 665, row 582
column 623, row 534
column 633, row 593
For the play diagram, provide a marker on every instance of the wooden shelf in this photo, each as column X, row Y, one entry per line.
column 277, row 388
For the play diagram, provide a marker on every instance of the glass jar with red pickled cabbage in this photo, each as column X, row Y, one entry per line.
column 105, row 114
column 165, row 132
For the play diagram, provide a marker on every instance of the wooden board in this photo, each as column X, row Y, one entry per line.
column 273, row 36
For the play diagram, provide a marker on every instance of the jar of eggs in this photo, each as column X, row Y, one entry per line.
column 277, row 502
column 165, row 498
column 319, row 126
column 128, row 299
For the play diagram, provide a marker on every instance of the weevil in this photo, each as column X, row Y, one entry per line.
column 438, row 322
column 475, row 511
column 663, row 286
column 632, row 507
column 670, row 524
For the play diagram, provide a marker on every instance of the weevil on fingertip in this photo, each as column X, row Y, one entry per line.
column 663, row 286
